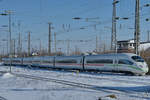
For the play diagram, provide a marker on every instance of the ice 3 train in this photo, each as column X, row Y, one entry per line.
column 119, row 62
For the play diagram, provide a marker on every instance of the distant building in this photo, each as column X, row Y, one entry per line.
column 145, row 46
column 128, row 45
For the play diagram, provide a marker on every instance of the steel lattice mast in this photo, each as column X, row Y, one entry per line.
column 137, row 27
column 113, row 35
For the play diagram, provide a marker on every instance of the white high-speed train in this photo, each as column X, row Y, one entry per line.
column 119, row 62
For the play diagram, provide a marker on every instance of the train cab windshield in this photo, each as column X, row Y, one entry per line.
column 137, row 58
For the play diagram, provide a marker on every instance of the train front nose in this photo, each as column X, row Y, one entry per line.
column 144, row 67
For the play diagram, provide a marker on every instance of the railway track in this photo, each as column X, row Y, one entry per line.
column 116, row 90
column 2, row 98
column 64, row 82
column 115, row 79
column 96, row 88
column 69, row 83
column 130, row 80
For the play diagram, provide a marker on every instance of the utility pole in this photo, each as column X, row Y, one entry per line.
column 55, row 42
column 49, row 38
column 19, row 40
column 148, row 35
column 104, row 47
column 7, row 45
column 68, row 47
column 96, row 44
column 19, row 44
column 137, row 27
column 113, row 35
column 8, row 12
column 0, row 50
column 10, row 30
column 76, row 50
column 29, row 45
column 3, row 50
column 40, row 47
column 14, row 47
column 99, row 45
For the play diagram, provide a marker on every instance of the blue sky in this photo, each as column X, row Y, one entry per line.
column 35, row 14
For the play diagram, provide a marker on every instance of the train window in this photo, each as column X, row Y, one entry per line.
column 124, row 61
column 7, row 60
column 35, row 61
column 67, row 61
column 27, row 61
column 101, row 61
column 16, row 61
column 137, row 58
column 47, row 61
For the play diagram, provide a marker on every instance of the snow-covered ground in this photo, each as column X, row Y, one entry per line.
column 127, row 87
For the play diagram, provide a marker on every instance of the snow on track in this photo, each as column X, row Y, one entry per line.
column 7, row 75
column 124, row 87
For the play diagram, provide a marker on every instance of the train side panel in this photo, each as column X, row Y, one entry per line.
column 105, row 62
column 48, row 61
column 16, row 61
column 36, row 61
column 27, row 61
column 124, row 63
column 69, row 62
column 99, row 63
column 6, row 61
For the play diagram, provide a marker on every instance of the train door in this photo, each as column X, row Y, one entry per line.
column 82, row 63
column 116, row 67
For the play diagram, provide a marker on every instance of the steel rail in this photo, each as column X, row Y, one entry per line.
column 69, row 83
column 77, row 84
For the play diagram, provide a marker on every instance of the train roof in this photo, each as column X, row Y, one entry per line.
column 116, row 54
column 110, row 54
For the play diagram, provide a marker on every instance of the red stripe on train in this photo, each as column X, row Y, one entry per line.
column 81, row 64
